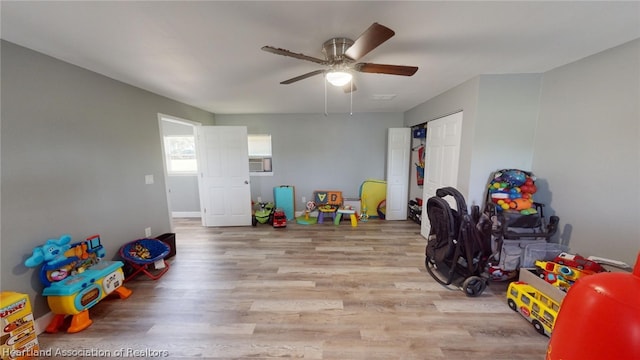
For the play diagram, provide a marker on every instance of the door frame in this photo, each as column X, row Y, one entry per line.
column 169, row 118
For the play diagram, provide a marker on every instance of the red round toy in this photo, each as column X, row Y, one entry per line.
column 599, row 318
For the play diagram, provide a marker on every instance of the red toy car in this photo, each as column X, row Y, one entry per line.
column 279, row 219
column 578, row 262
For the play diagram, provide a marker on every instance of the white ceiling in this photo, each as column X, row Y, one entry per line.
column 207, row 53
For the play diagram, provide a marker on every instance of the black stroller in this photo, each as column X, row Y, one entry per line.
column 517, row 220
column 458, row 245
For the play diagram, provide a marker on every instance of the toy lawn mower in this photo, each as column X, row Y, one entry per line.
column 263, row 214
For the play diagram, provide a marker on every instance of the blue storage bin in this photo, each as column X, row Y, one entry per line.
column 420, row 133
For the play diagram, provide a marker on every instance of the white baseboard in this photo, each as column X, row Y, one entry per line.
column 185, row 214
column 43, row 321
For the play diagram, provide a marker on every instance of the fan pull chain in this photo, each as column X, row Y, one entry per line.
column 325, row 97
column 351, row 98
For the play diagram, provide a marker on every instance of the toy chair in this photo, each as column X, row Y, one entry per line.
column 328, row 202
column 326, row 210
column 141, row 253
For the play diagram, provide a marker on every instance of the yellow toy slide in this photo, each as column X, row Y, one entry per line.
column 372, row 193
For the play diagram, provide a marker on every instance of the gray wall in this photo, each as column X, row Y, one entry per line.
column 317, row 152
column 504, row 129
column 184, row 195
column 75, row 149
column 497, row 128
column 588, row 146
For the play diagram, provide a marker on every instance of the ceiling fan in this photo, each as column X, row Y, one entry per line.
column 341, row 56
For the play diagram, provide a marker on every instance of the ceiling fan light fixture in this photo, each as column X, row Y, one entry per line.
column 338, row 78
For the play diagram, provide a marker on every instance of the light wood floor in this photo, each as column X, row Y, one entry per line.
column 307, row 292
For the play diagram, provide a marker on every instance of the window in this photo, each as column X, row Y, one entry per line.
column 544, row 300
column 180, row 155
column 535, row 308
column 514, row 292
column 260, row 156
column 549, row 317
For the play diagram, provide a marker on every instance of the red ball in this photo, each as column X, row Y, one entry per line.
column 599, row 318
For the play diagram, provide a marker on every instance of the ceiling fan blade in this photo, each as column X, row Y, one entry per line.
column 284, row 52
column 386, row 69
column 348, row 88
column 302, row 77
column 375, row 35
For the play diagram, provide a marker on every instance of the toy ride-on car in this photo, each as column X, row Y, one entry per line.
column 279, row 218
column 263, row 214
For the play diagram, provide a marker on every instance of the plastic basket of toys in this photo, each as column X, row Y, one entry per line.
column 144, row 251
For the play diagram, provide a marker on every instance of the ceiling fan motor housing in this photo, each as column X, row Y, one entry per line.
column 335, row 48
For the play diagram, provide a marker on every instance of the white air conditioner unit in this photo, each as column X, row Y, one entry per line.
column 256, row 165
column 259, row 165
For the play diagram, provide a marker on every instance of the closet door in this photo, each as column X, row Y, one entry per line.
column 398, row 159
column 441, row 159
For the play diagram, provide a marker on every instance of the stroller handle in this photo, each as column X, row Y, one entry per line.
column 454, row 193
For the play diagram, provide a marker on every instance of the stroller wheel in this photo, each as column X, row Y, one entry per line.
column 474, row 286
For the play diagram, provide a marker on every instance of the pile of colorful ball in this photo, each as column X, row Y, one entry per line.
column 513, row 190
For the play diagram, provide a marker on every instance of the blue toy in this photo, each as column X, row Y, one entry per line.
column 514, row 177
column 51, row 252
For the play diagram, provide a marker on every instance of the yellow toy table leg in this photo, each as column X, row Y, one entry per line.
column 80, row 322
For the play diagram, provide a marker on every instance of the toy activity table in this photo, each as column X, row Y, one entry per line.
column 76, row 278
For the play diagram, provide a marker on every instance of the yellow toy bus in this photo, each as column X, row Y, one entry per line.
column 536, row 307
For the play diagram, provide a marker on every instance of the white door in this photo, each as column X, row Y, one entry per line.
column 441, row 159
column 398, row 158
column 223, row 160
